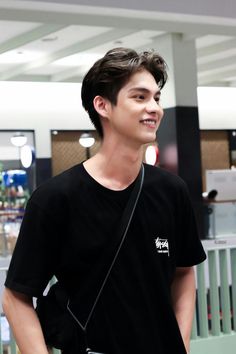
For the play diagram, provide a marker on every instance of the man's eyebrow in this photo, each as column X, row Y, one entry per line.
column 144, row 89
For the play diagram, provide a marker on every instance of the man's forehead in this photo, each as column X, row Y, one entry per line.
column 142, row 81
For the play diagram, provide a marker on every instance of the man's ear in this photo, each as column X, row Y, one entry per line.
column 102, row 106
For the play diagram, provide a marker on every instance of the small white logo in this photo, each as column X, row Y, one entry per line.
column 162, row 245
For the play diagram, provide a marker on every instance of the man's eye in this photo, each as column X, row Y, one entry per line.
column 157, row 99
column 140, row 97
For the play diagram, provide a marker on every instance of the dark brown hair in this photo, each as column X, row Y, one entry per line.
column 110, row 73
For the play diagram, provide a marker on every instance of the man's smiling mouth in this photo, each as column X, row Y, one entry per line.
column 149, row 122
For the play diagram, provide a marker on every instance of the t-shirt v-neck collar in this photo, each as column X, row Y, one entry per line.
column 93, row 182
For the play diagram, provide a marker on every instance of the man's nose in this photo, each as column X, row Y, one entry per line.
column 152, row 106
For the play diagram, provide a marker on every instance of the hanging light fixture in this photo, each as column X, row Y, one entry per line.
column 86, row 140
column 27, row 156
column 18, row 139
column 151, row 155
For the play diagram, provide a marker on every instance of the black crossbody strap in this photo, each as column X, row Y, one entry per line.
column 124, row 226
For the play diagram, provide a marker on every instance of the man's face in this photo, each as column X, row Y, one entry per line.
column 137, row 115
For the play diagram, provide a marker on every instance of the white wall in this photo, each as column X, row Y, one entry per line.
column 217, row 107
column 45, row 106
column 42, row 107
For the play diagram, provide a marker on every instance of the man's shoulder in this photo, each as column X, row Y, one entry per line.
column 56, row 190
column 161, row 177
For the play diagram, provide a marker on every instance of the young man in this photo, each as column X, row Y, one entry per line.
column 148, row 302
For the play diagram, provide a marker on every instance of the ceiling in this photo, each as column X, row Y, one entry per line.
column 51, row 42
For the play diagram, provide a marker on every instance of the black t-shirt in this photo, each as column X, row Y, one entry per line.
column 69, row 230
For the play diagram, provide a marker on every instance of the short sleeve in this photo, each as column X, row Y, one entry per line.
column 189, row 249
column 34, row 258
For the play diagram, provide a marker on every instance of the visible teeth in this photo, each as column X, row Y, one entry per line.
column 149, row 122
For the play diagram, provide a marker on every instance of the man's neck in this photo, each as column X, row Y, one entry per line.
column 115, row 168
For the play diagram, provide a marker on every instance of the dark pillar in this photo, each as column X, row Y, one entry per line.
column 179, row 145
column 43, row 170
column 179, row 137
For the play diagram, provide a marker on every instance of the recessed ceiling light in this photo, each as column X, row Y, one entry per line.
column 49, row 39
